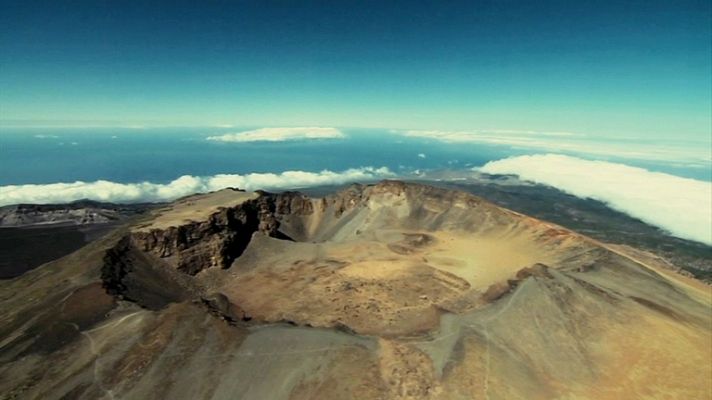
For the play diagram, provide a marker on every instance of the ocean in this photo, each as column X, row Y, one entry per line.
column 41, row 156
column 160, row 155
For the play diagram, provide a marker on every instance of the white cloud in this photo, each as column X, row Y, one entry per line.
column 46, row 136
column 421, row 155
column 280, row 135
column 534, row 133
column 679, row 205
column 185, row 185
column 573, row 143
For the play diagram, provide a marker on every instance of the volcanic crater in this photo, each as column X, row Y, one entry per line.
column 394, row 290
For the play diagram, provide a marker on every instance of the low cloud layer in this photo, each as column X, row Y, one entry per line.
column 183, row 186
column 574, row 143
column 679, row 205
column 279, row 135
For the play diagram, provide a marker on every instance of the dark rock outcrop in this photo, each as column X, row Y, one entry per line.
column 219, row 305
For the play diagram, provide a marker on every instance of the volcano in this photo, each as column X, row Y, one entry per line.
column 387, row 291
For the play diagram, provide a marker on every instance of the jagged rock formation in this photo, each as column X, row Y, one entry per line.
column 216, row 241
column 388, row 291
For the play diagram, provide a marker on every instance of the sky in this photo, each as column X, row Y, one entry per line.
column 630, row 69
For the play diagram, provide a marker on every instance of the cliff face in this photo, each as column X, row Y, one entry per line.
column 214, row 242
column 289, row 203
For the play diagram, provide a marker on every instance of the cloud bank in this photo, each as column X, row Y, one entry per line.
column 679, row 205
column 279, row 135
column 183, row 186
column 574, row 143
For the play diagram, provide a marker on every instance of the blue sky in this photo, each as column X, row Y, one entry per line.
column 618, row 68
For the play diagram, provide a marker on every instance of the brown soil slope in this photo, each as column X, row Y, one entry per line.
column 390, row 291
